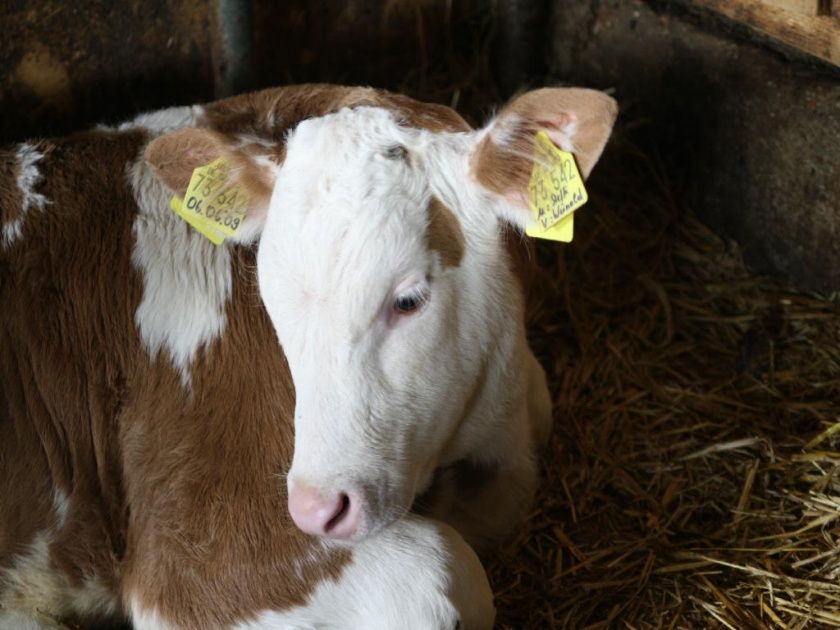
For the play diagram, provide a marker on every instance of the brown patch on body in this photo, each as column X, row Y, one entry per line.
column 11, row 199
column 214, row 542
column 65, row 340
column 444, row 234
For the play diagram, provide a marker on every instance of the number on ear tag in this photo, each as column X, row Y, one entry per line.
column 555, row 191
column 212, row 206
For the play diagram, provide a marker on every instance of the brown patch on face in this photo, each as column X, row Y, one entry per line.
column 269, row 114
column 430, row 116
column 444, row 234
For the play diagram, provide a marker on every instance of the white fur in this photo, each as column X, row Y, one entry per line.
column 32, row 587
column 414, row 576
column 165, row 119
column 15, row 620
column 61, row 505
column 27, row 179
column 147, row 618
column 380, row 404
column 186, row 279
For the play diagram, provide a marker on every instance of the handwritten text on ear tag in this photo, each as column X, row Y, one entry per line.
column 555, row 191
column 212, row 205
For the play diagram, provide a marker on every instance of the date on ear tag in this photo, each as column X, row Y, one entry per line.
column 212, row 205
column 555, row 191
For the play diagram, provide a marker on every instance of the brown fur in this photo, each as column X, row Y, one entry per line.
column 12, row 199
column 219, row 541
column 444, row 234
column 62, row 391
column 270, row 113
column 175, row 156
column 507, row 169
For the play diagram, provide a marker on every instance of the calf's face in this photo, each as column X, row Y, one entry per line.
column 381, row 268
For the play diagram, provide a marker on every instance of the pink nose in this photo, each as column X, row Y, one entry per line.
column 334, row 516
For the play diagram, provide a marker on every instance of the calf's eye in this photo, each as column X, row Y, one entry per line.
column 410, row 302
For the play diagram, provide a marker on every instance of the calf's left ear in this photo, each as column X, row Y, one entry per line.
column 577, row 120
column 174, row 156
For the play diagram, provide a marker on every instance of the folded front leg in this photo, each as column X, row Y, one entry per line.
column 417, row 574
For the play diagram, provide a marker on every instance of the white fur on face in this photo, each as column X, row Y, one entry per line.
column 380, row 398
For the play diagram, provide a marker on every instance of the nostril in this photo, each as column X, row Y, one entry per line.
column 321, row 514
column 340, row 513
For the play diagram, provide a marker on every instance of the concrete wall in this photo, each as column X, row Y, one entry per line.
column 749, row 133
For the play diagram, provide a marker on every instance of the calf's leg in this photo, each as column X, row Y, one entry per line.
column 485, row 500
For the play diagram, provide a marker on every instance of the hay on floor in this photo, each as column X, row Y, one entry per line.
column 693, row 477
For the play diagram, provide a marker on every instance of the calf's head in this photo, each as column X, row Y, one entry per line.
column 381, row 266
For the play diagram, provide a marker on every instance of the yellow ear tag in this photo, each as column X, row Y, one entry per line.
column 555, row 191
column 212, row 205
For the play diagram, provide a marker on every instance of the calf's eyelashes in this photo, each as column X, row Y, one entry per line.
column 411, row 301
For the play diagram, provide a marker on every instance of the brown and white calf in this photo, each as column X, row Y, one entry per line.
column 158, row 447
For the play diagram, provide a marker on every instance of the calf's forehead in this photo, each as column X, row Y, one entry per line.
column 349, row 212
column 350, row 129
column 348, row 162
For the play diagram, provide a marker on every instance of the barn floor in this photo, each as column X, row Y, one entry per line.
column 693, row 477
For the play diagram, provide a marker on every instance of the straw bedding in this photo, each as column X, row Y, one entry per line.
column 693, row 477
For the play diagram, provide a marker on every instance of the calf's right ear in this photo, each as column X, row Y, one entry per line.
column 174, row 156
